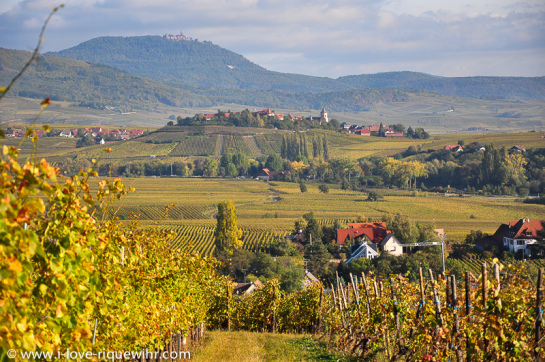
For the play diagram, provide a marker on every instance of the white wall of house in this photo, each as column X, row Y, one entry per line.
column 514, row 245
column 393, row 247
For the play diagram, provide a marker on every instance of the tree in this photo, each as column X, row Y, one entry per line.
column 326, row 149
column 318, row 259
column 312, row 229
column 210, row 167
column 373, row 196
column 231, row 170
column 345, row 185
column 274, row 163
column 227, row 234
column 323, row 188
column 302, row 186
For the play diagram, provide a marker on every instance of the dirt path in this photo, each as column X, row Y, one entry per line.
column 252, row 346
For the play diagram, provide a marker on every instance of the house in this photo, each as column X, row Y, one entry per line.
column 491, row 241
column 454, row 148
column 374, row 231
column 309, row 279
column 66, row 133
column 517, row 148
column 246, row 288
column 136, row 133
column 268, row 175
column 99, row 140
column 363, row 250
column 391, row 245
column 363, row 132
column 521, row 234
column 372, row 127
column 396, row 135
column 480, row 148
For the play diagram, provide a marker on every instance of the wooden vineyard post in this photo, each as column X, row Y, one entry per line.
column 229, row 305
column 447, row 291
column 396, row 312
column 420, row 309
column 367, row 296
column 456, row 328
column 539, row 312
column 437, row 302
column 319, row 323
column 468, row 315
column 485, row 299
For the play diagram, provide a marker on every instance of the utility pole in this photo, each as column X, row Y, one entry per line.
column 171, row 169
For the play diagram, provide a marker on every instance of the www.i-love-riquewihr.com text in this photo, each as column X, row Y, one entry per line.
column 100, row 355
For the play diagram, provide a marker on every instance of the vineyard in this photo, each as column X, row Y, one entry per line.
column 195, row 145
column 158, row 213
column 472, row 262
column 494, row 316
column 200, row 239
column 235, row 144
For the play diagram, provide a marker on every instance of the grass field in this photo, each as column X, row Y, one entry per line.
column 196, row 199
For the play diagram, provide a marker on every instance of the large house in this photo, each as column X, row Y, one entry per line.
column 373, row 237
column 268, row 175
column 515, row 236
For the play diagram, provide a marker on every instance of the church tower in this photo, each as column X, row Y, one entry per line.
column 323, row 116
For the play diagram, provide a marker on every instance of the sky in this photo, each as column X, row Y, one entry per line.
column 314, row 37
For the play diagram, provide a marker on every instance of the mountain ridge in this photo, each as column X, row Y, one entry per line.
column 192, row 64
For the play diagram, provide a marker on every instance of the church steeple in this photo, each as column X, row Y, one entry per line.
column 323, row 116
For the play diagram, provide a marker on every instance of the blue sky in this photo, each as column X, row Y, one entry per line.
column 316, row 37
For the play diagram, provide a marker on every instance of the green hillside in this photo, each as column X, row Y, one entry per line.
column 199, row 66
column 491, row 88
column 188, row 63
column 89, row 84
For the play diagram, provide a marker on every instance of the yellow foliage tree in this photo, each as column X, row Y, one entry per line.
column 227, row 235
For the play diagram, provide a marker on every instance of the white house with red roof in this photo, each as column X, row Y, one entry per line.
column 521, row 234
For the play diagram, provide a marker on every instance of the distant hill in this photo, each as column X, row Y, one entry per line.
column 93, row 84
column 524, row 88
column 190, row 62
column 200, row 66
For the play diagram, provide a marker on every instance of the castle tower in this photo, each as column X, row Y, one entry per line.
column 323, row 116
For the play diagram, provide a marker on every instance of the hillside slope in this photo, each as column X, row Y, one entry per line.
column 188, row 63
column 191, row 64
column 90, row 84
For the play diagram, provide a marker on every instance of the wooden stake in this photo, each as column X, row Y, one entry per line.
column 456, row 328
column 539, row 311
column 485, row 300
column 367, row 296
column 437, row 301
column 468, row 315
column 396, row 312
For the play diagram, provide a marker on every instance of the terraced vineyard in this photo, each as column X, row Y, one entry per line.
column 195, row 145
column 269, row 143
column 235, row 144
column 200, row 239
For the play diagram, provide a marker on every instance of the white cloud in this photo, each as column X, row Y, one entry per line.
column 319, row 37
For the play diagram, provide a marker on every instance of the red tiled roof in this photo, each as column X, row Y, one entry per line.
column 524, row 229
column 375, row 231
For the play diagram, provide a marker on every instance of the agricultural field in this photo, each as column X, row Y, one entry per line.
column 275, row 206
column 213, row 141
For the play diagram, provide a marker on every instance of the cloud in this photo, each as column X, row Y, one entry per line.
column 318, row 37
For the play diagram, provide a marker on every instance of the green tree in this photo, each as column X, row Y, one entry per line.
column 210, row 167
column 302, row 186
column 312, row 229
column 274, row 163
column 345, row 185
column 318, row 259
column 227, row 235
column 323, row 188
column 231, row 170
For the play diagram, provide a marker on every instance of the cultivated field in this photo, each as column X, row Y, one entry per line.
column 266, row 210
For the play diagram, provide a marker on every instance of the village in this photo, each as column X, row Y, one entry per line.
column 100, row 135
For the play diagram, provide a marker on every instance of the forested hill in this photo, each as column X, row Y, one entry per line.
column 96, row 85
column 524, row 88
column 192, row 64
column 89, row 84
